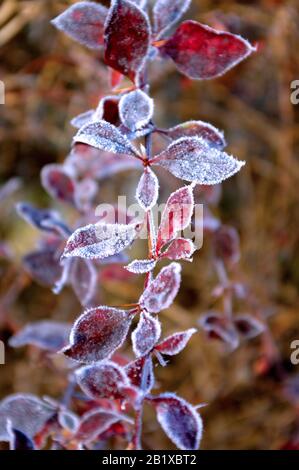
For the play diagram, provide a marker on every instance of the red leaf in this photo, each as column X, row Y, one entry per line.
column 179, row 420
column 26, row 413
column 141, row 374
column 43, row 265
column 180, row 248
column 127, row 37
column 146, row 335
column 141, row 266
column 47, row 334
column 96, row 422
column 176, row 215
column 175, row 343
column 227, row 244
column 192, row 159
column 248, row 326
column 58, row 183
column 83, row 22
column 147, row 190
column 160, row 293
column 100, row 240
column 104, row 136
column 97, row 333
column 167, row 12
column 136, row 110
column 202, row 52
column 217, row 326
column 209, row 133
column 102, row 380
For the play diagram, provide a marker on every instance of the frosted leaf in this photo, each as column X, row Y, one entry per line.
column 100, row 240
column 201, row 52
column 83, row 277
column 83, row 22
column 146, row 335
column 96, row 422
column 227, row 244
column 83, row 119
column 108, row 110
column 102, row 380
column 179, row 420
column 19, row 440
column 160, row 293
column 43, row 265
column 141, row 373
column 147, row 190
column 141, row 266
column 167, row 12
column 104, row 136
column 127, row 37
column 86, row 192
column 48, row 335
column 217, row 326
column 248, row 326
column 176, row 215
column 68, row 420
column 192, row 159
column 136, row 109
column 180, row 248
column 26, row 413
column 43, row 219
column 175, row 343
column 202, row 129
column 97, row 333
column 58, row 183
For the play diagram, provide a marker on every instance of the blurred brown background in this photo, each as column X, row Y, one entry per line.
column 49, row 79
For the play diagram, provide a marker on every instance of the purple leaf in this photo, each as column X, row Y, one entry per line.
column 100, row 240
column 97, row 333
column 248, row 326
column 83, row 277
column 102, row 380
column 49, row 335
column 179, row 420
column 175, row 343
column 180, row 248
column 206, row 131
column 141, row 266
column 136, row 110
column 167, row 12
column 26, row 413
column 217, row 326
column 96, row 422
column 104, row 136
column 58, row 183
column 227, row 244
column 201, row 52
column 43, row 219
column 68, row 420
column 160, row 293
column 141, row 373
column 176, row 215
column 127, row 37
column 192, row 159
column 83, row 22
column 147, row 190
column 146, row 335
column 43, row 265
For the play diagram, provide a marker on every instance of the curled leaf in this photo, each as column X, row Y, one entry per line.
column 167, row 12
column 146, row 335
column 206, row 131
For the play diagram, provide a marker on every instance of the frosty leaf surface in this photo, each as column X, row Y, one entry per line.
column 146, row 335
column 136, row 109
column 147, row 190
column 48, row 335
column 175, row 343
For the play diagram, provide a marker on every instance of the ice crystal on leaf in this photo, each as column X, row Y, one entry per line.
column 102, row 380
column 100, row 240
column 180, row 248
column 147, row 190
column 160, row 293
column 104, row 136
column 136, row 109
column 192, row 159
column 179, row 420
column 206, row 131
column 201, row 52
column 141, row 266
column 84, row 22
column 97, row 333
column 127, row 37
column 175, row 343
column 146, row 335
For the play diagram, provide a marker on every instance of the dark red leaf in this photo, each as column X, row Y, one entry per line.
column 206, row 131
column 180, row 248
column 102, row 380
column 227, row 244
column 248, row 326
column 136, row 110
column 147, row 190
column 217, row 326
column 49, row 335
column 202, row 52
column 97, row 333
column 146, row 335
column 175, row 343
column 160, row 293
column 84, row 22
column 179, row 420
column 58, row 183
column 141, row 374
column 192, row 159
column 127, row 37
column 167, row 12
column 96, row 422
